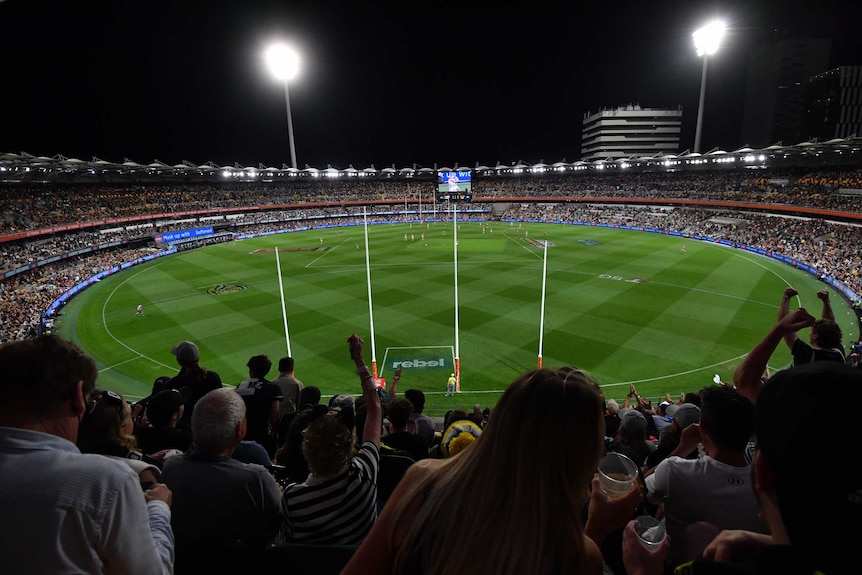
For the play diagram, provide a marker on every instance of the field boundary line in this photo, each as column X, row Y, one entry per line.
column 112, row 336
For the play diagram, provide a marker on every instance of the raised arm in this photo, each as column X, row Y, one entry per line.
column 373, row 414
column 396, row 377
column 827, row 312
column 783, row 309
column 748, row 373
column 633, row 393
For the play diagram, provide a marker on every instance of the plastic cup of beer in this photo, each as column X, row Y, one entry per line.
column 651, row 531
column 617, row 473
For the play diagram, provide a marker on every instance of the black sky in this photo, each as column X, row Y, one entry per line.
column 382, row 83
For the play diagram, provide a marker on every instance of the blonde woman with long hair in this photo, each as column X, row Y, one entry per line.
column 516, row 501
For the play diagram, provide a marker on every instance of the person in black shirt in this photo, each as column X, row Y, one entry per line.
column 192, row 375
column 164, row 411
column 263, row 402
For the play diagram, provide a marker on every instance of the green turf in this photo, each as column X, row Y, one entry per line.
column 627, row 306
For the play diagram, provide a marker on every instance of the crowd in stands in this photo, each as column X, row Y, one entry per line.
column 828, row 246
column 25, row 297
column 38, row 206
column 183, row 481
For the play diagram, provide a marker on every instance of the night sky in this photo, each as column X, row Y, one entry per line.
column 382, row 83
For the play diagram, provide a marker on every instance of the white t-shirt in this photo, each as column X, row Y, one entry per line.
column 704, row 490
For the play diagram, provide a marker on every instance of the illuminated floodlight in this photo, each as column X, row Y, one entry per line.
column 708, row 38
column 706, row 41
column 283, row 63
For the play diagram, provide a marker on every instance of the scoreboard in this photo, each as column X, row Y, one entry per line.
column 454, row 186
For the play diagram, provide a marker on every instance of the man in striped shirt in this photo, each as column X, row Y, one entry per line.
column 337, row 503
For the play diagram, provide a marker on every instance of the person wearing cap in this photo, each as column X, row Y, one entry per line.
column 612, row 420
column 715, row 488
column 660, row 418
column 192, row 375
column 813, row 520
column 632, row 440
column 458, row 436
column 139, row 409
column 164, row 411
column 634, row 400
column 682, row 415
column 450, row 385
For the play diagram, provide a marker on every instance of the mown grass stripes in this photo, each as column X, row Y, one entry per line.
column 627, row 306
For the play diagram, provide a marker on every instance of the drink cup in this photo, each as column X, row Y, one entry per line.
column 617, row 473
column 651, row 531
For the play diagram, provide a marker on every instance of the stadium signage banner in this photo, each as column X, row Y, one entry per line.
column 421, row 363
column 183, row 235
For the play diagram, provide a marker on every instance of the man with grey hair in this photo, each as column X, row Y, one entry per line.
column 226, row 511
column 67, row 512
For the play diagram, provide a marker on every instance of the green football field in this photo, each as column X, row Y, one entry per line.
column 627, row 306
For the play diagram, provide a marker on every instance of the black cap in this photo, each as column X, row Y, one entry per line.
column 163, row 405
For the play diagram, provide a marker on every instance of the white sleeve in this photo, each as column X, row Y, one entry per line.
column 136, row 537
column 163, row 536
column 656, row 483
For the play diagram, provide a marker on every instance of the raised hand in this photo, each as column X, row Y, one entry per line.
column 357, row 344
column 796, row 320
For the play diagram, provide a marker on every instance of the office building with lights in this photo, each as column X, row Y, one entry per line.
column 834, row 104
column 630, row 131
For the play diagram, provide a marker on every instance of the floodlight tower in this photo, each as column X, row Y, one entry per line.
column 706, row 42
column 283, row 63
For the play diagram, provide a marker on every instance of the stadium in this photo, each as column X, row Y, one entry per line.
column 247, row 260
column 348, row 319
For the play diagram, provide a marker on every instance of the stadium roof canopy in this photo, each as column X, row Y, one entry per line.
column 24, row 167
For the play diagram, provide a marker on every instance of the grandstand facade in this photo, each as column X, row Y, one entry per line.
column 25, row 168
column 62, row 221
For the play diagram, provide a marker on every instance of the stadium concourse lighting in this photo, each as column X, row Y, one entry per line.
column 706, row 42
column 283, row 63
